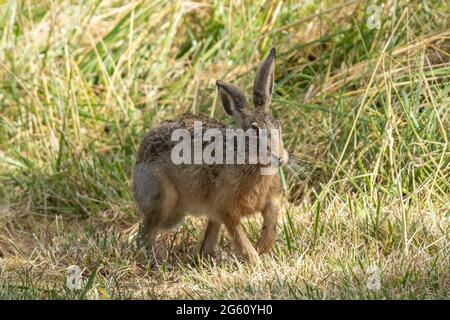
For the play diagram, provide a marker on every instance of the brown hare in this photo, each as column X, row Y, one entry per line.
column 166, row 192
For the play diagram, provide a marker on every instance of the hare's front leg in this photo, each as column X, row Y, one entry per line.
column 241, row 243
column 269, row 229
column 212, row 232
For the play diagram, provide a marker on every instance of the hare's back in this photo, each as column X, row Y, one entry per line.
column 157, row 143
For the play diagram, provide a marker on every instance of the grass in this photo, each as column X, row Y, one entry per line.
column 365, row 110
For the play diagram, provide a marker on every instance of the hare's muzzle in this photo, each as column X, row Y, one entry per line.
column 285, row 158
column 280, row 160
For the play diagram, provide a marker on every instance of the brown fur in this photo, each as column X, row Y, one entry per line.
column 225, row 193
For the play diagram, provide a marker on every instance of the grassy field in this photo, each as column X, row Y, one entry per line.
column 363, row 96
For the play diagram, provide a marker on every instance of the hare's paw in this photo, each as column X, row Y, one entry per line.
column 265, row 243
column 251, row 257
column 216, row 256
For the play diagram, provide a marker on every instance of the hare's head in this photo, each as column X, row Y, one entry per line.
column 236, row 106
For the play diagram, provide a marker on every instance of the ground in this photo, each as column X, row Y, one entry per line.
column 362, row 93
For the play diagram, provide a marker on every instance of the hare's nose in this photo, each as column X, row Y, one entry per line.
column 284, row 158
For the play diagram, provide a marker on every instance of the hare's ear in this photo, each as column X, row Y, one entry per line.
column 233, row 100
column 263, row 86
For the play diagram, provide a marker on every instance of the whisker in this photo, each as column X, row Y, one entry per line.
column 298, row 172
column 299, row 168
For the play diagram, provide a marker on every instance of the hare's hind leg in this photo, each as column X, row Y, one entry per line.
column 148, row 196
column 211, row 237
column 148, row 232
column 172, row 215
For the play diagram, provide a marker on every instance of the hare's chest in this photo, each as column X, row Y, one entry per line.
column 255, row 198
